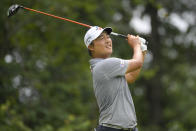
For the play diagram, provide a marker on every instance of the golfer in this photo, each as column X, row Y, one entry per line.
column 111, row 77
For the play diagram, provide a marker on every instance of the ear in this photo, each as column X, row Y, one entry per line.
column 91, row 47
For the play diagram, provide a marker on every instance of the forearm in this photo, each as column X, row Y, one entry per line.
column 136, row 61
column 138, row 55
column 132, row 76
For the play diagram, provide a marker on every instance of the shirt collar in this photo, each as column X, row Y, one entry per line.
column 94, row 61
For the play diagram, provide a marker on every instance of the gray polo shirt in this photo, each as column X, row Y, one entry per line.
column 112, row 93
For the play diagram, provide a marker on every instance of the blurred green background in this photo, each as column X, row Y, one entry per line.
column 45, row 80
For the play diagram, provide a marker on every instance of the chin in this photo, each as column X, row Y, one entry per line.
column 109, row 53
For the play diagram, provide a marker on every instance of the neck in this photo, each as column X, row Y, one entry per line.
column 100, row 56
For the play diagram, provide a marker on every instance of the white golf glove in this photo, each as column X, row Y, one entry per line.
column 143, row 45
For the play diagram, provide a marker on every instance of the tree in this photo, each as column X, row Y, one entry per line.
column 45, row 80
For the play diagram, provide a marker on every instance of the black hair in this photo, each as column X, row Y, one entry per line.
column 89, row 51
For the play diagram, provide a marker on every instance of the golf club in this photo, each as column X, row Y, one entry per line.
column 14, row 9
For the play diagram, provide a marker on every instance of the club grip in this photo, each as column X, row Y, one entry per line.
column 116, row 34
column 124, row 36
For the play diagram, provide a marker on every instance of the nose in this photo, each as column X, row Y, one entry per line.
column 108, row 41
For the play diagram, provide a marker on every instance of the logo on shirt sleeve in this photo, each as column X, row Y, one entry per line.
column 122, row 63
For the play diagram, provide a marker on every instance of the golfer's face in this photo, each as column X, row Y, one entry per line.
column 103, row 45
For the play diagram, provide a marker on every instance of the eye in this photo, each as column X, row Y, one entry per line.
column 102, row 37
column 108, row 36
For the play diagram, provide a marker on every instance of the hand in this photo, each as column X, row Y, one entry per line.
column 143, row 47
column 133, row 40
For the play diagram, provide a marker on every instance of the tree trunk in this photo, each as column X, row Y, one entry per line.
column 154, row 86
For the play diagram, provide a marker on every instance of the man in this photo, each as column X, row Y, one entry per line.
column 110, row 78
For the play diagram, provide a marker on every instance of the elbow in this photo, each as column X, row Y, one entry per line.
column 134, row 65
column 131, row 81
column 131, row 77
column 139, row 64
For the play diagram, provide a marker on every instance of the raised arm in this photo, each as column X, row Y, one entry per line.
column 137, row 61
column 132, row 76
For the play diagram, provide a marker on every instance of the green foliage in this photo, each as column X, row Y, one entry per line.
column 45, row 80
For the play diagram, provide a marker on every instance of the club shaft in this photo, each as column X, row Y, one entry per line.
column 65, row 19
column 58, row 17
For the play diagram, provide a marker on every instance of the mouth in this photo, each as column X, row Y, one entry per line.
column 109, row 47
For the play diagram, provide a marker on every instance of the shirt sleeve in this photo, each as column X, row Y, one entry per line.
column 114, row 67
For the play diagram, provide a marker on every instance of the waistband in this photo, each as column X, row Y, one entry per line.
column 118, row 128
